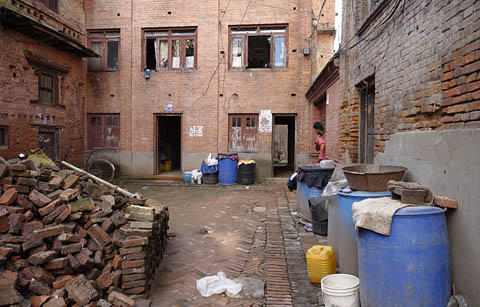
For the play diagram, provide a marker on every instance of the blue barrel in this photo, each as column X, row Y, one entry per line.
column 304, row 193
column 227, row 168
column 348, row 244
column 411, row 267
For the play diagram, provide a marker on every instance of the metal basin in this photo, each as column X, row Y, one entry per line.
column 372, row 178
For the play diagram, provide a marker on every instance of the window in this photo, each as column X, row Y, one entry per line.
column 47, row 87
column 107, row 45
column 3, row 137
column 103, row 131
column 243, row 131
column 258, row 47
column 170, row 49
column 51, row 4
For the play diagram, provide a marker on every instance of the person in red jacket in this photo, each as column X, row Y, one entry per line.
column 320, row 140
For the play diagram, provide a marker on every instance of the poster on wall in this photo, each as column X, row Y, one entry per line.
column 265, row 121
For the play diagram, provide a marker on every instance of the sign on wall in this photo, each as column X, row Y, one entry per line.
column 195, row 131
column 265, row 121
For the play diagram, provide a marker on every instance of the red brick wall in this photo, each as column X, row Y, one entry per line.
column 19, row 86
column 426, row 77
column 332, row 122
column 137, row 100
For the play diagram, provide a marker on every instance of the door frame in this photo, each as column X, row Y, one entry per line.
column 295, row 120
column 156, row 116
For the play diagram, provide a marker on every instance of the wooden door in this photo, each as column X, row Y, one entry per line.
column 367, row 111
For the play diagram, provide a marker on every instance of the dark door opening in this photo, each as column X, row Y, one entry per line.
column 367, row 102
column 168, row 145
column 48, row 141
column 283, row 146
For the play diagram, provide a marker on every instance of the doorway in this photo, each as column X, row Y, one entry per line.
column 168, row 131
column 367, row 102
column 48, row 141
column 283, row 145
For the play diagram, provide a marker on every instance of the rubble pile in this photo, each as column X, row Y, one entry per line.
column 65, row 240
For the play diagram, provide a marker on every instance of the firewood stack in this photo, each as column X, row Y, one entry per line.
column 65, row 240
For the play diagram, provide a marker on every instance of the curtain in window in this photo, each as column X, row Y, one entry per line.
column 237, row 52
column 95, row 64
column 175, row 54
column 279, row 51
column 189, row 53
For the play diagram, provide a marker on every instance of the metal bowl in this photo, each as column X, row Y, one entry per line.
column 372, row 178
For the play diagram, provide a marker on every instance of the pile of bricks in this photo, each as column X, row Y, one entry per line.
column 65, row 240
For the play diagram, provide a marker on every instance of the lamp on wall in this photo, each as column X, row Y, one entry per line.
column 146, row 73
column 306, row 51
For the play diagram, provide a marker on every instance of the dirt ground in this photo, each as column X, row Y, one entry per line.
column 226, row 229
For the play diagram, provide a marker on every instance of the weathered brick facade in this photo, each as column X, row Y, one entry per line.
column 205, row 96
column 424, row 61
column 22, row 52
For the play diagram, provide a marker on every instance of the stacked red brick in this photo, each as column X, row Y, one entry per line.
column 65, row 240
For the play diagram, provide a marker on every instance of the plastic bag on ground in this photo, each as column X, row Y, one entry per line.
column 217, row 284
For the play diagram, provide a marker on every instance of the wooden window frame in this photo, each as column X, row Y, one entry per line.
column 104, row 41
column 171, row 37
column 104, row 118
column 4, row 130
column 243, row 122
column 43, row 71
column 245, row 36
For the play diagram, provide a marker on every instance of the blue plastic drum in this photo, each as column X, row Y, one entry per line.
column 348, row 244
column 411, row 267
column 227, row 168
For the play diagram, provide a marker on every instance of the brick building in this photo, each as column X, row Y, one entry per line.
column 410, row 96
column 193, row 78
column 324, row 97
column 42, row 76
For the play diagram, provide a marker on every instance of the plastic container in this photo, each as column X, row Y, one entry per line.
column 320, row 228
column 411, row 267
column 227, row 168
column 210, row 178
column 348, row 243
column 246, row 173
column 304, row 193
column 168, row 166
column 187, row 177
column 341, row 290
column 320, row 262
column 334, row 227
column 311, row 181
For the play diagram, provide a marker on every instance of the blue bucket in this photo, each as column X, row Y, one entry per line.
column 187, row 177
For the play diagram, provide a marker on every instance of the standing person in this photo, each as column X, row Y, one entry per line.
column 320, row 140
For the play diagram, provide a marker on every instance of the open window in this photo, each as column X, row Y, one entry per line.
column 258, row 47
column 107, row 45
column 170, row 49
column 243, row 132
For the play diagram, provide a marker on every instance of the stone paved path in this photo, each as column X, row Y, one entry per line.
column 253, row 235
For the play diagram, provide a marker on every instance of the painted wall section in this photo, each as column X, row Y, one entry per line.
column 448, row 162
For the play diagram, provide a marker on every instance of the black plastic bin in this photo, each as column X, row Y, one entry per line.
column 319, row 215
column 246, row 173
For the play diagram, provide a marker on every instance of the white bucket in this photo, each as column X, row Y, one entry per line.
column 340, row 290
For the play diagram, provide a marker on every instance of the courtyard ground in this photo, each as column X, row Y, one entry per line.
column 244, row 232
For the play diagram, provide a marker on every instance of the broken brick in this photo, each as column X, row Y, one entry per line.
column 48, row 232
column 42, row 257
column 120, row 299
column 9, row 197
column 38, row 198
column 80, row 290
